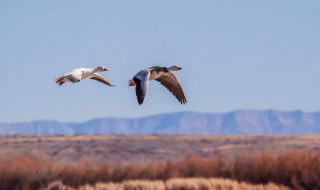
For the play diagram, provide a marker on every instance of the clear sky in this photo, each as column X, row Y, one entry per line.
column 235, row 55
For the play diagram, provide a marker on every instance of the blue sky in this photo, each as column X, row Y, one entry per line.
column 235, row 55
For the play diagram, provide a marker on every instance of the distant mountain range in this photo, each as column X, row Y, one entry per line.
column 236, row 122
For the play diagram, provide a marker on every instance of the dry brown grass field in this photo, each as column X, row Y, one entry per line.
column 151, row 148
column 102, row 162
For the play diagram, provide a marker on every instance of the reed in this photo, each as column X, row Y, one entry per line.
column 295, row 169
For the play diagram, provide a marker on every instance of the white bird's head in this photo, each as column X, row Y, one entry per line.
column 101, row 68
column 174, row 68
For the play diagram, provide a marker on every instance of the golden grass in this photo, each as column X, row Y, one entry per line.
column 171, row 184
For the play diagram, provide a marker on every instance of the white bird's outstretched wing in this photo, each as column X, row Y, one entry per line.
column 100, row 78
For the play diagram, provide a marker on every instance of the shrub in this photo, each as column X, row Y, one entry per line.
column 297, row 169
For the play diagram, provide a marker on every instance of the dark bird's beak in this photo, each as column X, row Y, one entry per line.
column 132, row 83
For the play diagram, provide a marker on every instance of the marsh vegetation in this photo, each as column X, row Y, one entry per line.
column 261, row 162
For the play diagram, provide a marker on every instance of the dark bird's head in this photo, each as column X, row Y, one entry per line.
column 174, row 68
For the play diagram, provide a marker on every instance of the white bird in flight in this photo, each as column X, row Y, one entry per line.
column 82, row 73
column 162, row 75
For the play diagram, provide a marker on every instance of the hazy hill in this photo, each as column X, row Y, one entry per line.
column 236, row 122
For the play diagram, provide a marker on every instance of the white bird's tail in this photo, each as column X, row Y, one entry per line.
column 59, row 79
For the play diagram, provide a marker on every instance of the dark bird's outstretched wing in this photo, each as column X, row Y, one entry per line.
column 141, row 79
column 139, row 91
column 171, row 83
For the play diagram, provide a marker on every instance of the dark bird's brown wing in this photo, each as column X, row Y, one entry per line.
column 171, row 83
column 100, row 79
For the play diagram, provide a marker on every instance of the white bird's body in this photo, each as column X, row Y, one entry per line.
column 160, row 74
column 76, row 75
